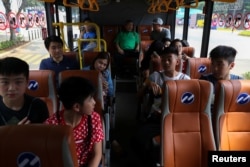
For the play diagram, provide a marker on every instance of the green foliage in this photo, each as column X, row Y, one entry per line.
column 246, row 75
column 245, row 33
column 11, row 43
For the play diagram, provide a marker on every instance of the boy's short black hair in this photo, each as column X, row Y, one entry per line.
column 50, row 39
column 225, row 52
column 14, row 66
column 169, row 50
column 75, row 90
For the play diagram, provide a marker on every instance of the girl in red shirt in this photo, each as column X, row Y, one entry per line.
column 76, row 95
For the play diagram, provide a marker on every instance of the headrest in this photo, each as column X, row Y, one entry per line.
column 37, row 145
column 187, row 96
column 40, row 83
column 234, row 95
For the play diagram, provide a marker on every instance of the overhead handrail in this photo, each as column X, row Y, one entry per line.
column 79, row 41
column 159, row 6
column 91, row 5
column 165, row 5
column 70, row 3
column 192, row 5
column 153, row 6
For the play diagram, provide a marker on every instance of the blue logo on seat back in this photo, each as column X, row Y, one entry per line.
column 202, row 69
column 187, row 98
column 33, row 85
column 243, row 98
column 28, row 159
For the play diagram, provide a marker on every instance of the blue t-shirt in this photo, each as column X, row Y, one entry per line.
column 65, row 64
column 213, row 80
column 88, row 35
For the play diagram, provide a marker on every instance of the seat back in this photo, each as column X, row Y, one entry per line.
column 145, row 44
column 42, row 84
column 232, row 115
column 197, row 67
column 88, row 57
column 109, row 35
column 37, row 145
column 187, row 133
column 190, row 51
column 72, row 55
column 94, row 77
column 144, row 31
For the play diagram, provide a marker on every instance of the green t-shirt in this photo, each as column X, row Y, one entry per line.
column 127, row 40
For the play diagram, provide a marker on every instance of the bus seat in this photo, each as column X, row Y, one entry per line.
column 197, row 67
column 231, row 115
column 109, row 35
column 72, row 55
column 144, row 31
column 42, row 84
column 190, row 51
column 95, row 78
column 187, row 133
column 145, row 44
column 37, row 145
column 88, row 57
column 166, row 26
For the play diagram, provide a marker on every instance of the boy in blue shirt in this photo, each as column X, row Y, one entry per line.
column 57, row 62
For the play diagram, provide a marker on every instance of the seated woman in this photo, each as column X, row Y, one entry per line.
column 101, row 63
column 182, row 56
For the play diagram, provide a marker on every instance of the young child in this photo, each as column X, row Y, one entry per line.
column 222, row 61
column 76, row 95
column 101, row 63
column 16, row 107
column 57, row 62
column 169, row 61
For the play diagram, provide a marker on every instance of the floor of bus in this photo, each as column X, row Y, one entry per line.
column 125, row 125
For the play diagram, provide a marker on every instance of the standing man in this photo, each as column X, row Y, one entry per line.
column 159, row 32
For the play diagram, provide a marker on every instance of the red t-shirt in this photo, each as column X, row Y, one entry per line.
column 83, row 150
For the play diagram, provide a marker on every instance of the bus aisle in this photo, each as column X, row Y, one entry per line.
column 125, row 125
